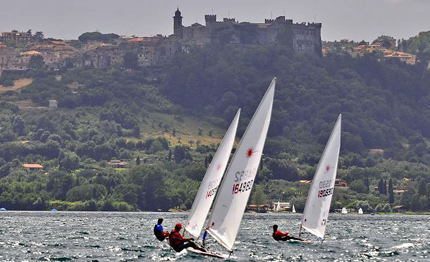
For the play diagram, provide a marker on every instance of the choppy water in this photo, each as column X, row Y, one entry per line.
column 96, row 236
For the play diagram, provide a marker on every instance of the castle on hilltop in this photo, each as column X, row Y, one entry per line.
column 303, row 37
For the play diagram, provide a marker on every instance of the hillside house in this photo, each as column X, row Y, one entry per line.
column 117, row 163
column 33, row 167
column 339, row 183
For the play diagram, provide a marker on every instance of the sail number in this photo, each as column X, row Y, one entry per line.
column 244, row 175
column 325, row 192
column 325, row 183
column 211, row 192
column 242, row 187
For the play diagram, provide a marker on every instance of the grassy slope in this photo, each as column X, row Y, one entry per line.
column 18, row 84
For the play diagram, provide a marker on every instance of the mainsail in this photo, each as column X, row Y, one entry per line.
column 234, row 191
column 211, row 180
column 321, row 191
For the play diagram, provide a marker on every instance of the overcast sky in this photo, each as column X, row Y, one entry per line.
column 342, row 19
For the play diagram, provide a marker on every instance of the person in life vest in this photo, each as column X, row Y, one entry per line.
column 178, row 242
column 279, row 236
column 158, row 230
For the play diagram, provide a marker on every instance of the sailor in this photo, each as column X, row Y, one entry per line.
column 178, row 242
column 278, row 235
column 158, row 230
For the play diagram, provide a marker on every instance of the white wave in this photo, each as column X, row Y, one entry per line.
column 403, row 246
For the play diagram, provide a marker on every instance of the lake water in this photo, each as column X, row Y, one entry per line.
column 100, row 236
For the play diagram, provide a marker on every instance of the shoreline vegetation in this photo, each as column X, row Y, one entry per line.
column 247, row 212
column 129, row 139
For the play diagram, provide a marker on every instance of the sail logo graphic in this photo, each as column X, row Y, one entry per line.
column 250, row 152
column 328, row 169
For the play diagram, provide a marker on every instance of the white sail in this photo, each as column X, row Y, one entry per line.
column 320, row 194
column 294, row 209
column 236, row 186
column 208, row 187
column 344, row 211
column 360, row 211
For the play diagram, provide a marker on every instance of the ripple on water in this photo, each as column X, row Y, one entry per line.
column 93, row 236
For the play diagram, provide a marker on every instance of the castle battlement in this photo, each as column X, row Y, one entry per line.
column 210, row 18
column 231, row 20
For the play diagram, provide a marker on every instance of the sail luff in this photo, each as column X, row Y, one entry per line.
column 233, row 194
column 320, row 193
column 211, row 180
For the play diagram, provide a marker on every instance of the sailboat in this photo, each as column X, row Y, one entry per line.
column 344, row 211
column 317, row 206
column 235, row 188
column 293, row 210
column 208, row 187
column 360, row 211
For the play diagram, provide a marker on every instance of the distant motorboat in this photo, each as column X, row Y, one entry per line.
column 53, row 210
column 2, row 209
column 344, row 211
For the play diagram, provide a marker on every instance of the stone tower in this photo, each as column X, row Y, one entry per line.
column 210, row 19
column 177, row 23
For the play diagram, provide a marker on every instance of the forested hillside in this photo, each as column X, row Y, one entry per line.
column 166, row 122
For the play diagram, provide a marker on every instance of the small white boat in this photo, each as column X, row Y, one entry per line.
column 344, row 211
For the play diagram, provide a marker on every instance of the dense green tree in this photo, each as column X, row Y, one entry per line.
column 358, row 186
column 391, row 192
column 69, row 162
column 86, row 192
column 36, row 62
column 130, row 60
column 128, row 193
column 151, row 180
column 422, row 187
column 180, row 153
column 97, row 36
column 59, row 183
column 258, row 197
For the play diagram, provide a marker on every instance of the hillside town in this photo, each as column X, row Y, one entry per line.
column 362, row 48
column 17, row 47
